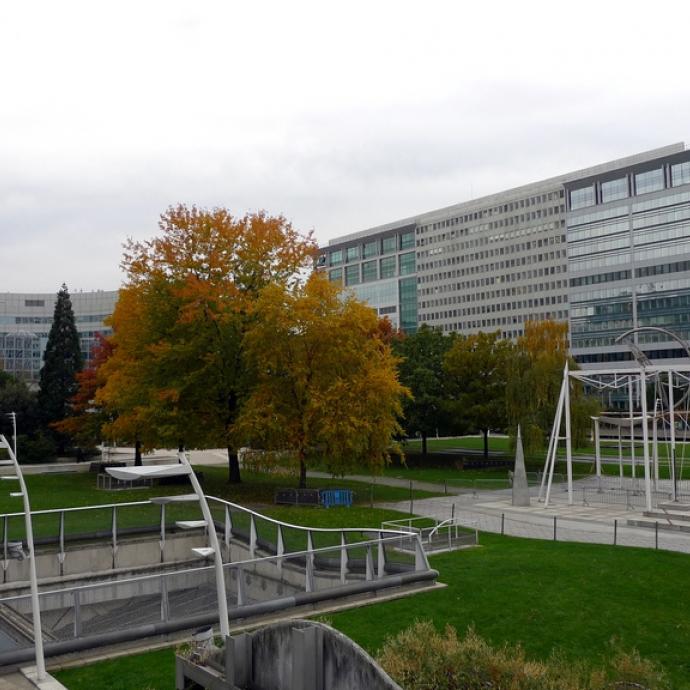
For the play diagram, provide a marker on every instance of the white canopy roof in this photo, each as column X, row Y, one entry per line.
column 147, row 471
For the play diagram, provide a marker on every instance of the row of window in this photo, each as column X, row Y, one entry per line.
column 492, row 323
column 375, row 247
column 495, row 210
column 369, row 271
column 639, row 183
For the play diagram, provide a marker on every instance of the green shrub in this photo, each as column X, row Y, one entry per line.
column 421, row 658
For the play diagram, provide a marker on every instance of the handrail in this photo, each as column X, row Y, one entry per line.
column 447, row 521
column 302, row 527
column 233, row 564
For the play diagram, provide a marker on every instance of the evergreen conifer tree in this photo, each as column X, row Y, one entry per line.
column 62, row 360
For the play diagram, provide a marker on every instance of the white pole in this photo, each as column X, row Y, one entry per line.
column 655, row 444
column 672, row 424
column 553, row 439
column 632, row 428
column 35, row 606
column 217, row 556
column 568, row 438
column 645, row 439
column 597, row 449
column 620, row 455
column 554, row 448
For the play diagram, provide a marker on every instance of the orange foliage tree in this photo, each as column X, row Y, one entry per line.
column 326, row 378
column 177, row 372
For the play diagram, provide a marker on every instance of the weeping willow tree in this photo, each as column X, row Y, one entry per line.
column 535, row 375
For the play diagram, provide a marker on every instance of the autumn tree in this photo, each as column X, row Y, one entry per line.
column 421, row 370
column 326, row 379
column 535, row 376
column 62, row 361
column 476, row 369
column 177, row 374
column 87, row 418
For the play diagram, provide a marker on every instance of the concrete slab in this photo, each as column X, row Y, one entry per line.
column 48, row 683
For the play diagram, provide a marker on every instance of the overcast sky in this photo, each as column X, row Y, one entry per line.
column 341, row 116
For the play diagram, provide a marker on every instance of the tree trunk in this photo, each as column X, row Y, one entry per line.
column 302, row 472
column 233, row 467
column 137, row 453
column 486, row 443
column 424, row 449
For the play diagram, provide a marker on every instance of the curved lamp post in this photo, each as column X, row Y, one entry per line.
column 184, row 468
column 35, row 607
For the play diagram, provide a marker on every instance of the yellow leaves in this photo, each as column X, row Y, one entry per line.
column 325, row 373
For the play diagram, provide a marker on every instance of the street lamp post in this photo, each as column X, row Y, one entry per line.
column 35, row 606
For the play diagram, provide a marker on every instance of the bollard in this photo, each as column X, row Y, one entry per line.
column 445, row 487
column 615, row 532
column 503, row 522
column 656, row 536
column 554, row 528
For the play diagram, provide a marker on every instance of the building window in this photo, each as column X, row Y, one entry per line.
column 371, row 249
column 336, row 257
column 581, row 198
column 388, row 245
column 408, row 305
column 352, row 253
column 368, row 271
column 388, row 267
column 352, row 275
column 650, row 181
column 680, row 174
column 407, row 240
column 614, row 190
column 336, row 275
column 34, row 303
column 407, row 264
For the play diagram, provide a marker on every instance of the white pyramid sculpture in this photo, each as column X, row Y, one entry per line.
column 520, row 486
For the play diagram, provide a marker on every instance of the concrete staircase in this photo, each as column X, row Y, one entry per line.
column 668, row 516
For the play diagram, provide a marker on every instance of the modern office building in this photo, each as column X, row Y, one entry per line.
column 628, row 243
column 25, row 321
column 488, row 264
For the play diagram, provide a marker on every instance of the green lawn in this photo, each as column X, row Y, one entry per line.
column 79, row 489
column 545, row 595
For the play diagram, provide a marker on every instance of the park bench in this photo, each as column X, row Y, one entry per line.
column 298, row 497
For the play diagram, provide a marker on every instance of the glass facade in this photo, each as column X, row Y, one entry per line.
column 680, row 174
column 352, row 253
column 607, row 295
column 336, row 257
column 371, row 249
column 407, row 240
column 407, row 264
column 580, row 198
column 649, row 181
column 388, row 244
column 352, row 275
column 388, row 267
column 335, row 275
column 614, row 190
column 369, row 272
column 408, row 304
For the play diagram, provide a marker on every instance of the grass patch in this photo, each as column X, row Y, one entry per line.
column 541, row 594
column 257, row 490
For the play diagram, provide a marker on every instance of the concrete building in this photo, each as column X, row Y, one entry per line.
column 25, row 321
column 488, row 264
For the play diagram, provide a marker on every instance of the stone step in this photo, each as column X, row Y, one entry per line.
column 665, row 526
column 678, row 507
column 666, row 515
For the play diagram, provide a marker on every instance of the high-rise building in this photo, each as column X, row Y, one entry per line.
column 490, row 264
column 628, row 233
column 25, row 321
